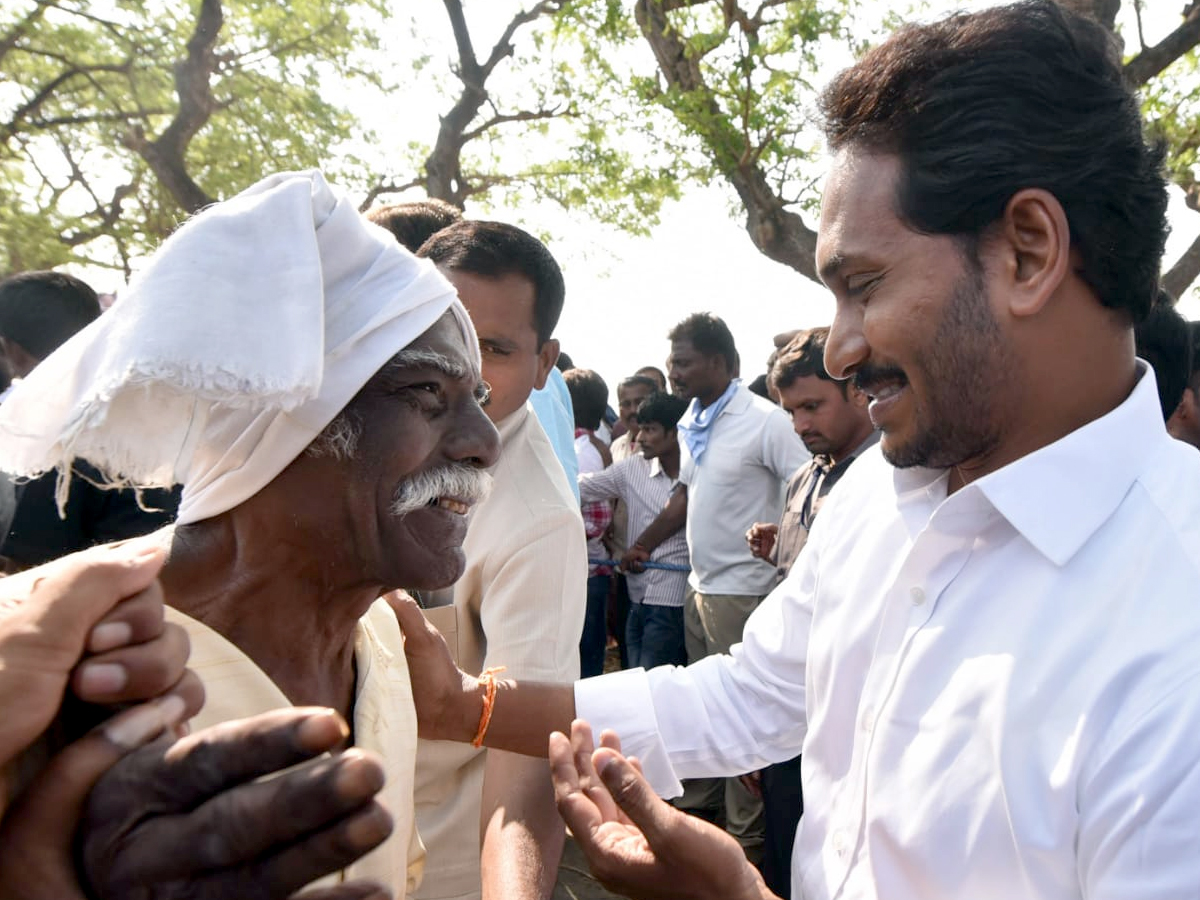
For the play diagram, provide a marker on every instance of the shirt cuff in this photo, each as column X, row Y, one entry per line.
column 622, row 702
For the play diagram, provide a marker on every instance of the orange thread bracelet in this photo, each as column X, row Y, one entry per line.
column 489, row 703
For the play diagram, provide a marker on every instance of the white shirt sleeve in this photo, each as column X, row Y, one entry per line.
column 782, row 450
column 1137, row 807
column 723, row 715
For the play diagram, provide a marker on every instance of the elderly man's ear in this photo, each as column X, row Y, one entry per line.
column 547, row 357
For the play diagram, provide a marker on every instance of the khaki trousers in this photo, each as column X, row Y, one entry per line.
column 712, row 624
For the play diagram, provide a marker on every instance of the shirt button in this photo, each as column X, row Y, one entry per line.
column 917, row 595
column 868, row 719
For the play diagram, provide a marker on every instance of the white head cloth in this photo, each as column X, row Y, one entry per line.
column 247, row 332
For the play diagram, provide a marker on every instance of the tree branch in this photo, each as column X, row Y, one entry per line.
column 9, row 41
column 778, row 233
column 1186, row 269
column 504, row 46
column 166, row 155
column 531, row 115
column 1153, row 60
column 386, row 187
column 47, row 92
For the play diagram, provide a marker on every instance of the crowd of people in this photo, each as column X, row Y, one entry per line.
column 317, row 545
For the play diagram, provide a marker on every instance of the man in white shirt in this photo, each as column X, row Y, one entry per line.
column 987, row 649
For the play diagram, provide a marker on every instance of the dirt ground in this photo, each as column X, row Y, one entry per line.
column 574, row 880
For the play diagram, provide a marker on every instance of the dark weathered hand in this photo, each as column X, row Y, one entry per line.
column 635, row 843
column 761, row 539
column 191, row 820
column 446, row 698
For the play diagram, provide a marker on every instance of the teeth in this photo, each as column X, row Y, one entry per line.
column 453, row 506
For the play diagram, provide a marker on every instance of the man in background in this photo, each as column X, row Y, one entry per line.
column 832, row 421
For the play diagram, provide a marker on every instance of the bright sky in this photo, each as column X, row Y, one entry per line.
column 624, row 293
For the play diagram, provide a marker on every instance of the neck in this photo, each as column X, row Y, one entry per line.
column 707, row 400
column 270, row 596
column 670, row 461
column 1090, row 380
column 844, row 452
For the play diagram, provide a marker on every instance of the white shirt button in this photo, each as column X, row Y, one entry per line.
column 917, row 595
column 868, row 719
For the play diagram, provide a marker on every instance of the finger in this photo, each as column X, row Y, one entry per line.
column 576, row 808
column 247, row 824
column 132, row 621
column 634, row 796
column 223, row 756
column 610, row 739
column 69, row 595
column 583, row 747
column 351, row 890
column 134, row 672
column 412, row 622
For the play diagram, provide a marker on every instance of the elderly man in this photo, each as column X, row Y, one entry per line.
column 987, row 647
column 316, row 390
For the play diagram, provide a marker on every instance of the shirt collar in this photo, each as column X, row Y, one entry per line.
column 1058, row 496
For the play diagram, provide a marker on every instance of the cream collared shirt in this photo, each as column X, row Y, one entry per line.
column 385, row 722
column 997, row 692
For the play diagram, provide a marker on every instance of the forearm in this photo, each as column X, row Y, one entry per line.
column 523, row 715
column 670, row 520
column 521, row 831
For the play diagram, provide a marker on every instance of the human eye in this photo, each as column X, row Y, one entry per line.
column 861, row 285
column 429, row 396
column 489, row 349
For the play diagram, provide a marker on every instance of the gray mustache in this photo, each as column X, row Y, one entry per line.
column 465, row 483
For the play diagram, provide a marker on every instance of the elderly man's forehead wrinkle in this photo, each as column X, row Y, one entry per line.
column 422, row 358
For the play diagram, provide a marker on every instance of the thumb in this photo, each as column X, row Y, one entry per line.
column 408, row 613
column 633, row 794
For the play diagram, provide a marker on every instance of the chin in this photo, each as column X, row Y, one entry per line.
column 440, row 572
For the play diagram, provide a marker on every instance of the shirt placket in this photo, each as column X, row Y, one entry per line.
column 936, row 557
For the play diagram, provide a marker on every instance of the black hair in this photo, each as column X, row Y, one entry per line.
column 563, row 362
column 495, row 249
column 640, row 381
column 709, row 335
column 41, row 310
column 413, row 223
column 1164, row 339
column 759, row 386
column 659, row 376
column 589, row 396
column 663, row 408
column 980, row 106
column 803, row 356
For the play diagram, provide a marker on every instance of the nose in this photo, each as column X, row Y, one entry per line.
column 846, row 347
column 474, row 440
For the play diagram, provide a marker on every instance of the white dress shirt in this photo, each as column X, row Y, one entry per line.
column 997, row 692
column 752, row 452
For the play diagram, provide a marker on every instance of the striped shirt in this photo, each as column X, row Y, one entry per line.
column 645, row 488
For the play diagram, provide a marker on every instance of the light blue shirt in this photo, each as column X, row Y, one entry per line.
column 552, row 406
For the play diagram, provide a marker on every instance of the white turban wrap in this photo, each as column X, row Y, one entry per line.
column 244, row 336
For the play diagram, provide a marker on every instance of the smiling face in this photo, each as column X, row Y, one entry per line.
column 501, row 308
column 827, row 421
column 423, row 444
column 914, row 327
